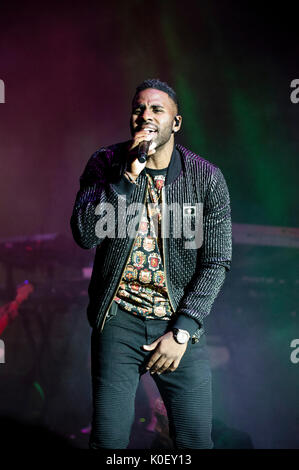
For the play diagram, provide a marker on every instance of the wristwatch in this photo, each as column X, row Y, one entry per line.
column 181, row 336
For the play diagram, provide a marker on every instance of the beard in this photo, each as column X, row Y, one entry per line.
column 163, row 136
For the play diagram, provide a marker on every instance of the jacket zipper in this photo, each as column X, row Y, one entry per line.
column 163, row 248
column 131, row 249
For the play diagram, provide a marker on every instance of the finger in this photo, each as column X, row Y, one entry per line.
column 165, row 368
column 153, row 360
column 157, row 366
column 150, row 347
column 140, row 137
column 152, row 148
column 175, row 365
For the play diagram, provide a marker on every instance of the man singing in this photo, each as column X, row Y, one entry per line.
column 159, row 217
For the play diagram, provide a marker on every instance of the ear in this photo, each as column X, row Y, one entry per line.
column 177, row 123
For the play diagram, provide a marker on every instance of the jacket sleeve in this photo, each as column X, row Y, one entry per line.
column 97, row 198
column 215, row 254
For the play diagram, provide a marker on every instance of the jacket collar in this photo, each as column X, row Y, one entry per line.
column 175, row 166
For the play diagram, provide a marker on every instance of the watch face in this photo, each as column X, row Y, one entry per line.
column 182, row 337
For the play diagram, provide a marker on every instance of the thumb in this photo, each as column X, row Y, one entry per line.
column 152, row 148
column 150, row 347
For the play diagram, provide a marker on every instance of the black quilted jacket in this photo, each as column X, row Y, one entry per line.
column 194, row 275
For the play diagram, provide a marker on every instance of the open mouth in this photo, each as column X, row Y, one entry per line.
column 150, row 131
column 148, row 128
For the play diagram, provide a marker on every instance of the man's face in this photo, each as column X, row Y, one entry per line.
column 154, row 110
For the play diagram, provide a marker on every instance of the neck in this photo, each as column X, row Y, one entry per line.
column 162, row 157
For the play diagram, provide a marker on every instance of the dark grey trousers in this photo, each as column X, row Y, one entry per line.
column 118, row 362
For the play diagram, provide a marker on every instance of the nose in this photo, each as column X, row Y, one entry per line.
column 146, row 115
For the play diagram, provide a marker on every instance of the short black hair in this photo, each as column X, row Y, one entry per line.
column 157, row 84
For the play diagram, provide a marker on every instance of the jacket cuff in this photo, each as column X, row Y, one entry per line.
column 186, row 323
column 124, row 186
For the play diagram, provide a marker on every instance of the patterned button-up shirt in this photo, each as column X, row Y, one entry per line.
column 142, row 290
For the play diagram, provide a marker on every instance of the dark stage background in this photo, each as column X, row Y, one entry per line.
column 68, row 71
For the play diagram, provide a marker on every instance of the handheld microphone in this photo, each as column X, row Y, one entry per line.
column 143, row 149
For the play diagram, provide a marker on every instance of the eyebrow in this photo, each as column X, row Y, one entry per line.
column 137, row 105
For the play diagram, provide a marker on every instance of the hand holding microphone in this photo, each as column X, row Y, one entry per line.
column 140, row 148
column 143, row 149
